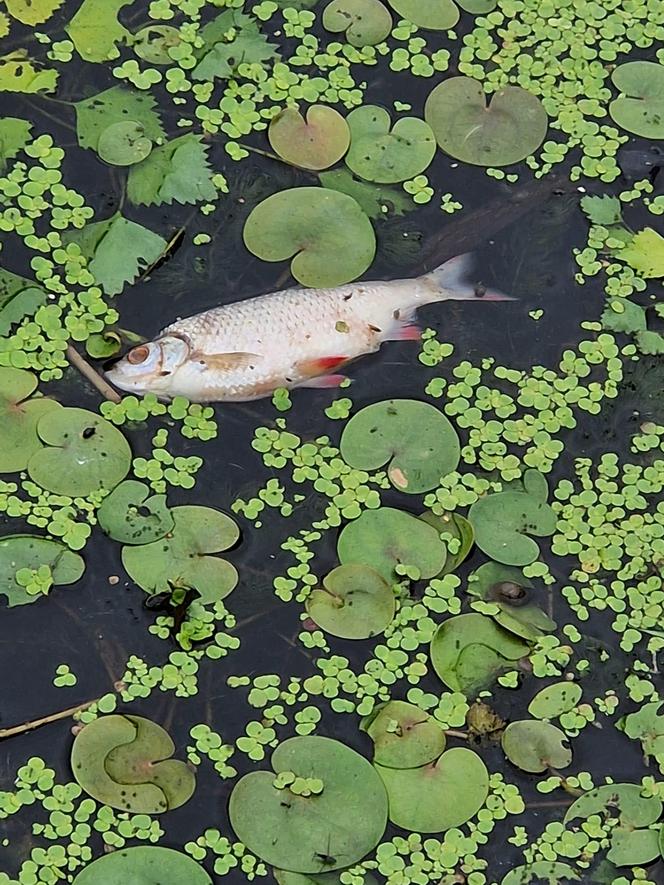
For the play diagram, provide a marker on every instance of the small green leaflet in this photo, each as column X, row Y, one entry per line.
column 95, row 30
column 18, row 74
column 14, row 135
column 231, row 39
column 178, row 171
column 645, row 254
column 116, row 105
column 118, row 250
column 604, row 210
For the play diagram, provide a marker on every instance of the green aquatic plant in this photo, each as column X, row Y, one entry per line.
column 355, row 602
column 387, row 154
column 316, row 142
column 30, row 565
column 149, row 862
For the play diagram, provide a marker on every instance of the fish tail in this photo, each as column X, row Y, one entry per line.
column 454, row 281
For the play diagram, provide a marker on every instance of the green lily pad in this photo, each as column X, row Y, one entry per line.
column 143, row 865
column 436, row 797
column 640, row 107
column 477, row 7
column 184, row 559
column 152, row 43
column 30, row 552
column 404, row 736
column 386, row 537
column 316, row 833
column 511, row 128
column 434, row 15
column 83, row 453
column 366, row 22
column 541, row 872
column 469, row 650
column 623, row 801
column 132, row 516
column 355, row 604
column 461, row 534
column 317, row 142
column 535, row 746
column 326, row 233
column 19, row 417
column 124, row 761
column 554, row 700
column 506, row 588
column 631, row 848
column 285, row 877
column 387, row 155
column 123, row 144
column 415, row 440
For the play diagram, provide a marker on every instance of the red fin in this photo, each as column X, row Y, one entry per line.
column 324, row 382
column 410, row 332
column 320, row 366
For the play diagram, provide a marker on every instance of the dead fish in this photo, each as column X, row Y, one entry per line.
column 294, row 338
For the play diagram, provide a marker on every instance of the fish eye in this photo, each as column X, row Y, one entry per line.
column 138, row 355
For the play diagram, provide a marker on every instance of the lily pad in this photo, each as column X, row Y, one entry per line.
column 356, row 603
column 30, row 552
column 541, row 872
column 535, row 746
column 516, row 609
column 385, row 538
column 434, row 15
column 124, row 761
column 131, row 515
column 366, row 22
column 469, row 650
column 387, row 155
column 326, row 234
column 477, row 7
column 633, row 847
column 320, row 832
column 152, row 43
column 415, row 440
column 624, row 801
column 462, row 537
column 554, row 700
column 184, row 559
column 286, row 877
column 123, row 144
column 404, row 736
column 510, row 128
column 640, row 107
column 83, row 453
column 143, row 865
column 436, row 797
column 317, row 142
column 19, row 417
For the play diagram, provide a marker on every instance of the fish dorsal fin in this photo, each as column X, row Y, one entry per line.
column 226, row 361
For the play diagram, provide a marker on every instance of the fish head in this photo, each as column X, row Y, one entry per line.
column 150, row 367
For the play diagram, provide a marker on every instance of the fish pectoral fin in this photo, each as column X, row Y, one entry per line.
column 227, row 361
column 320, row 366
column 324, row 382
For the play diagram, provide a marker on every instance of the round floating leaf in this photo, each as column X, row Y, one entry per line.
column 503, row 521
column 366, row 22
column 143, row 865
column 355, row 604
column 554, row 700
column 317, row 143
column 434, row 15
column 152, row 43
column 386, row 156
column 83, row 453
column 124, row 762
column 19, row 417
column 633, row 847
column 131, row 515
column 477, row 7
column 405, row 736
column 325, row 232
column 623, row 801
column 320, row 832
column 640, row 109
column 468, row 651
column 541, row 871
column 508, row 589
column 124, row 144
column 415, row 440
column 461, row 533
column 535, row 746
column 438, row 796
column 508, row 130
column 386, row 537
column 30, row 552
column 182, row 559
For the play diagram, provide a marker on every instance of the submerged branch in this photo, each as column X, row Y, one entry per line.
column 92, row 375
column 45, row 720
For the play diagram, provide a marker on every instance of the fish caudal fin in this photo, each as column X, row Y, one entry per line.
column 453, row 281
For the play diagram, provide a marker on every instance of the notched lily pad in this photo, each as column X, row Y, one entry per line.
column 624, row 801
column 131, row 515
column 316, row 142
column 434, row 15
column 386, row 154
column 640, row 107
column 123, row 144
column 404, row 736
column 143, row 865
column 366, row 22
column 356, row 603
column 124, row 761
column 30, row 552
column 535, row 746
column 19, row 416
column 415, row 440
column 554, row 700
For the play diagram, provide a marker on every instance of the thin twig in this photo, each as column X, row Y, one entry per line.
column 92, row 375
column 45, row 720
column 452, row 732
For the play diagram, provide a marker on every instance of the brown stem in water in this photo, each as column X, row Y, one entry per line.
column 92, row 375
column 45, row 720
column 452, row 732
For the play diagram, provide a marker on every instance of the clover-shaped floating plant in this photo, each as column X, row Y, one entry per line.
column 326, row 234
column 124, row 761
column 510, row 600
column 640, row 107
column 184, row 558
column 510, row 128
column 365, row 22
column 404, row 736
column 316, row 141
column 144, row 864
column 535, row 746
column 325, row 809
column 30, row 566
column 19, row 416
column 504, row 520
column 131, row 515
column 355, row 602
column 388, row 154
column 416, row 441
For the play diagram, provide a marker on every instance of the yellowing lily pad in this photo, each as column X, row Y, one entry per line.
column 645, row 253
column 404, row 736
column 123, row 144
column 19, row 417
column 316, row 142
column 356, row 603
column 554, row 700
column 387, row 154
column 415, row 440
column 32, row 12
column 366, row 22
column 30, row 552
column 143, row 865
column 640, row 107
column 326, row 234
column 131, row 515
column 536, row 746
column 510, row 128
column 434, row 15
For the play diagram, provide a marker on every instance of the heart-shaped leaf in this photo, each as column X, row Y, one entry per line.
column 124, row 762
column 554, row 700
column 355, row 604
column 387, row 155
column 317, row 142
column 435, row 15
column 404, row 736
column 19, row 417
column 509, row 129
column 535, row 746
column 366, row 22
column 132, row 516
column 123, row 144
column 415, row 440
column 143, row 865
column 30, row 552
column 640, row 107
